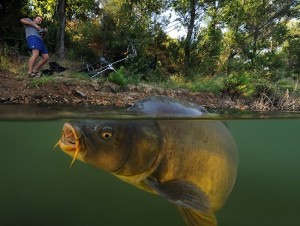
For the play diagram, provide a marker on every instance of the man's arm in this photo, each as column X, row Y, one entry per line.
column 30, row 23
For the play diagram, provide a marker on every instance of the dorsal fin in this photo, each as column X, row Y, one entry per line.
column 166, row 106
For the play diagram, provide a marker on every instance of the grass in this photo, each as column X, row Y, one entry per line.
column 289, row 84
column 209, row 84
column 76, row 75
column 200, row 84
column 34, row 83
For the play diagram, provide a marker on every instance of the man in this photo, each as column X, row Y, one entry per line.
column 36, row 44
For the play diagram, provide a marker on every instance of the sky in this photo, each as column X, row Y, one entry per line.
column 174, row 29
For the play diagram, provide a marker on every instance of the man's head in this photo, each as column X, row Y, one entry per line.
column 38, row 19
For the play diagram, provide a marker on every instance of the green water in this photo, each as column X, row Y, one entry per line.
column 37, row 187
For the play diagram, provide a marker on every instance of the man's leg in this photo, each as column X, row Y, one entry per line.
column 42, row 62
column 32, row 60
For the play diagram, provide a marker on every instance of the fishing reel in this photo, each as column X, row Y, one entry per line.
column 42, row 31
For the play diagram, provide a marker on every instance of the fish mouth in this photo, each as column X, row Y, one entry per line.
column 71, row 142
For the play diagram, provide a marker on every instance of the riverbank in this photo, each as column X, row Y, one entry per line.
column 20, row 89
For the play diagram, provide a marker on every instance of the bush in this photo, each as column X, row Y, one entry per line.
column 118, row 77
column 240, row 84
column 5, row 56
column 11, row 59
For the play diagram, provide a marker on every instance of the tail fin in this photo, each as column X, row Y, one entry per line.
column 197, row 218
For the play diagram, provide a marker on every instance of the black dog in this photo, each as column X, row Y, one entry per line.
column 47, row 72
column 55, row 67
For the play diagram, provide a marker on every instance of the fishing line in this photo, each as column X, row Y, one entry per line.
column 168, row 27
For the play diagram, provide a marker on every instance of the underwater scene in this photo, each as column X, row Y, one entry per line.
column 38, row 187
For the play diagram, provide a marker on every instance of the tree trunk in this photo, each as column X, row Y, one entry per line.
column 60, row 37
column 188, row 39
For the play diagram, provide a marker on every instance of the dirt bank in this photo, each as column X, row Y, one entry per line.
column 20, row 89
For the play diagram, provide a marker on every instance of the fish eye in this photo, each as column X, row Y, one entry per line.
column 106, row 133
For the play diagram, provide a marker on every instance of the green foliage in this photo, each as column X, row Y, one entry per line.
column 84, row 39
column 76, row 75
column 211, row 85
column 247, row 84
column 197, row 84
column 134, row 79
column 288, row 84
column 292, row 51
column 39, row 82
column 240, row 84
column 79, row 9
column 4, row 60
column 11, row 58
column 119, row 77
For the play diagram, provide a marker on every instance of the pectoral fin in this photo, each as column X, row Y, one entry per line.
column 196, row 218
column 182, row 193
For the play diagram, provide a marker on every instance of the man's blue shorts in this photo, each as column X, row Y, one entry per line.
column 35, row 42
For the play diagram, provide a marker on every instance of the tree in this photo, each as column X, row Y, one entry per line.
column 61, row 20
column 251, row 27
column 192, row 14
column 206, row 52
column 189, row 12
column 291, row 50
column 190, row 31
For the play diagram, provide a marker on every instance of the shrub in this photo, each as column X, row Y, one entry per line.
column 4, row 59
column 118, row 77
column 241, row 84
